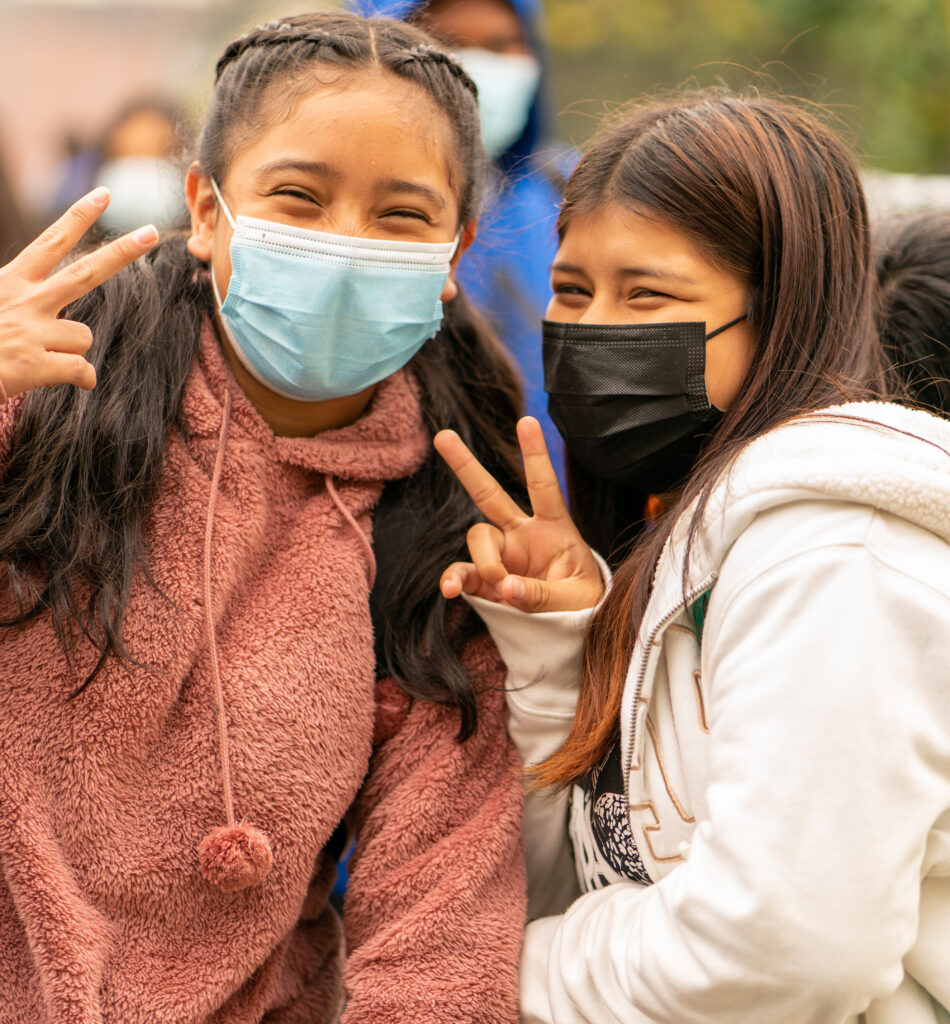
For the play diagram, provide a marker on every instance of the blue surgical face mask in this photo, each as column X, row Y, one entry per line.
column 507, row 85
column 315, row 316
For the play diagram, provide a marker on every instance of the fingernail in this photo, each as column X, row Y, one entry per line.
column 146, row 235
column 99, row 196
column 518, row 589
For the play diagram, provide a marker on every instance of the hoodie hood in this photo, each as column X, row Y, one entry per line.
column 872, row 454
column 530, row 13
column 868, row 453
column 388, row 441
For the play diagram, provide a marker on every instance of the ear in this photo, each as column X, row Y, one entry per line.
column 203, row 208
column 451, row 288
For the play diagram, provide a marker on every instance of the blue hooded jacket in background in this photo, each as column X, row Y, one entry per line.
column 506, row 272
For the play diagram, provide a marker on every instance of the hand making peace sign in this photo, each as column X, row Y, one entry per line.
column 538, row 562
column 37, row 347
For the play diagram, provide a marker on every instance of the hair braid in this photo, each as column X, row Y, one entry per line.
column 283, row 33
column 261, row 73
column 424, row 52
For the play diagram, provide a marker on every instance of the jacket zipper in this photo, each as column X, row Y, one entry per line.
column 691, row 596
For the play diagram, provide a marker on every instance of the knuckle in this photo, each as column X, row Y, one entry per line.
column 485, row 492
column 123, row 248
column 543, row 483
column 79, row 371
column 122, row 252
column 82, row 274
column 53, row 239
column 22, row 357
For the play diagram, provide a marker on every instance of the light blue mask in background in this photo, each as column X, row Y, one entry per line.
column 315, row 316
column 507, row 85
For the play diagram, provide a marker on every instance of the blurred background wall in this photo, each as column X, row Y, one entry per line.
column 68, row 67
column 882, row 67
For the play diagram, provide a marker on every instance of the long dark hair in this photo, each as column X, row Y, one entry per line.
column 766, row 191
column 84, row 467
column 912, row 260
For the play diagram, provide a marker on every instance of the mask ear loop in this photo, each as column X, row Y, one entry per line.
column 222, row 203
column 217, row 299
column 227, row 213
column 725, row 327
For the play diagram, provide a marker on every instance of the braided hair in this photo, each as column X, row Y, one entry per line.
column 85, row 467
column 273, row 64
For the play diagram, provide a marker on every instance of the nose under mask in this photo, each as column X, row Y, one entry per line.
column 630, row 399
column 315, row 316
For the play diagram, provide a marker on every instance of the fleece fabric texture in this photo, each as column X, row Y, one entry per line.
column 104, row 913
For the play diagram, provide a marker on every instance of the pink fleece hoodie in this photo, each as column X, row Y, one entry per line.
column 105, row 914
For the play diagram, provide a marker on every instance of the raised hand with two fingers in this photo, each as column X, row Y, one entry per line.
column 536, row 562
column 37, row 346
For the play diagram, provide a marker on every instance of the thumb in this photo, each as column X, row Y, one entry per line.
column 535, row 595
column 527, row 593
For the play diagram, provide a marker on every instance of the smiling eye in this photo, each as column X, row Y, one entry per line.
column 402, row 212
column 648, row 293
column 569, row 289
column 295, row 194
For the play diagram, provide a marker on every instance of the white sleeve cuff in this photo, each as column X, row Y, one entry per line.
column 542, row 651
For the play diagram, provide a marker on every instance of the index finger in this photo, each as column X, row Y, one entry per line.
column 78, row 278
column 544, row 489
column 482, row 487
column 44, row 253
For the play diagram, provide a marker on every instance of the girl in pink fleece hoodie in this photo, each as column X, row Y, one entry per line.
column 192, row 508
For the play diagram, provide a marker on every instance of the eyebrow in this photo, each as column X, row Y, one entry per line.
column 664, row 275
column 412, row 188
column 317, row 168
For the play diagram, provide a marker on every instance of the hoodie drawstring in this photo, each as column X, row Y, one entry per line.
column 348, row 516
column 236, row 855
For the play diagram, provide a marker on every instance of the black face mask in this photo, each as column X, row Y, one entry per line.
column 630, row 399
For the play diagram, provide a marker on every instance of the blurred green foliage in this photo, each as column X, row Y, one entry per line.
column 881, row 67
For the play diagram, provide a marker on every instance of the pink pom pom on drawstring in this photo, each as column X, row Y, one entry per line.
column 235, row 856
column 232, row 856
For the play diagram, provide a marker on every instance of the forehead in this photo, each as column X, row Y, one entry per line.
column 614, row 236
column 361, row 122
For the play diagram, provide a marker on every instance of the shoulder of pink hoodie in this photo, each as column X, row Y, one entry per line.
column 104, row 912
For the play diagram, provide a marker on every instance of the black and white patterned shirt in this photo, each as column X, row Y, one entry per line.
column 604, row 847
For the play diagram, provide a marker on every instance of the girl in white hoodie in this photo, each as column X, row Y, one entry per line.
column 756, row 783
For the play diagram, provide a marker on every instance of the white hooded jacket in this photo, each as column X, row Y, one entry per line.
column 788, row 777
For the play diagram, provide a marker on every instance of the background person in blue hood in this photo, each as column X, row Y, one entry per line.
column 506, row 273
